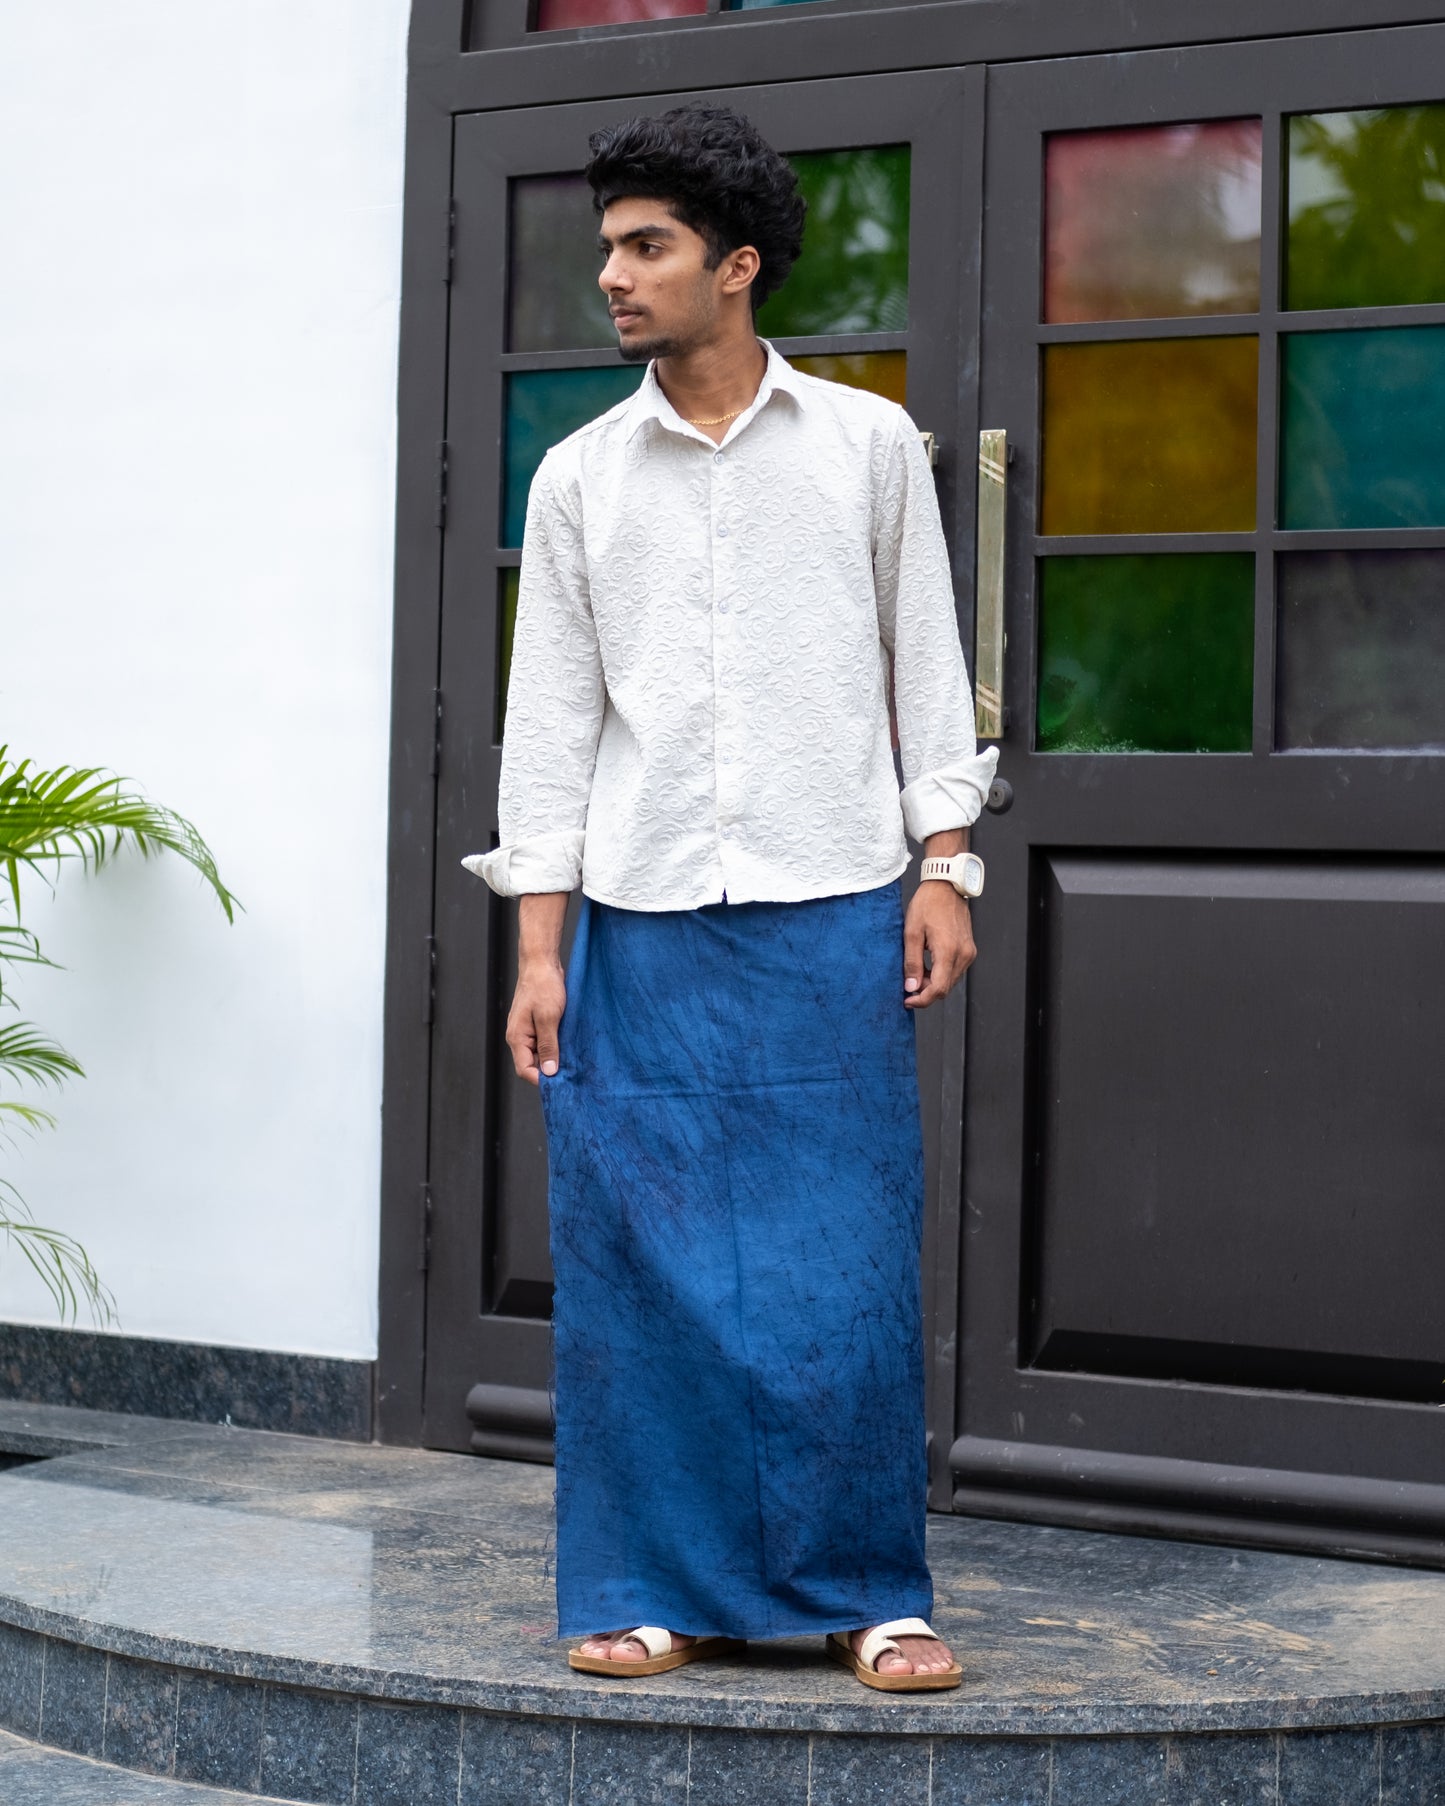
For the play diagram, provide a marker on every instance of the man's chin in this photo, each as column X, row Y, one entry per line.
column 642, row 351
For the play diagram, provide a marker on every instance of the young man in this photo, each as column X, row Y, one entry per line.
column 716, row 578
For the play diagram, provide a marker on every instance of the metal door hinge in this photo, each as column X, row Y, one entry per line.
column 451, row 241
column 436, row 738
column 442, row 469
column 423, row 1242
column 429, row 981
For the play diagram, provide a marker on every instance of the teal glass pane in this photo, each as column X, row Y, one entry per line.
column 554, row 303
column 853, row 274
column 1360, row 658
column 542, row 407
column 1146, row 653
column 1363, row 429
column 1366, row 208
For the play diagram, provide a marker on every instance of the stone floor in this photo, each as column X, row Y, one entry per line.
column 330, row 1622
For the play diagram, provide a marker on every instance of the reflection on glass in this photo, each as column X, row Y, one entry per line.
column 1152, row 220
column 508, row 583
column 564, row 15
column 555, row 303
column 853, row 274
column 1146, row 653
column 542, row 407
column 1363, row 433
column 884, row 372
column 1153, row 436
column 747, row 6
column 1361, row 652
column 1366, row 208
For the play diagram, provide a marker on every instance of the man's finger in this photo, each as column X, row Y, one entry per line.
column 912, row 956
column 548, row 1054
column 524, row 1049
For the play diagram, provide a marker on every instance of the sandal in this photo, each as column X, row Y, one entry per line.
column 660, row 1653
column 879, row 1642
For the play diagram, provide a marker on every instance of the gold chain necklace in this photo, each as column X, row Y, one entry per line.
column 718, row 422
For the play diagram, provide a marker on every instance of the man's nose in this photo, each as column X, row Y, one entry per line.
column 612, row 276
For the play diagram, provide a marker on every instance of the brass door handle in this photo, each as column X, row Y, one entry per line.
column 989, row 630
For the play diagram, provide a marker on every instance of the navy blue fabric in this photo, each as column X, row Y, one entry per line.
column 736, row 1207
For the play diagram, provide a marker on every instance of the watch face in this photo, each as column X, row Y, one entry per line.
column 972, row 874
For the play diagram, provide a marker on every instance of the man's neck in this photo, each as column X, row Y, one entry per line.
column 712, row 385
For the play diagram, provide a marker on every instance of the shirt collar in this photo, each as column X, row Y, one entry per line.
column 649, row 403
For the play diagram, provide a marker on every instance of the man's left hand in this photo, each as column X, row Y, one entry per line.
column 938, row 923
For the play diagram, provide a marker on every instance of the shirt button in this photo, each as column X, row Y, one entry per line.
column 722, row 532
column 722, row 606
column 727, row 833
column 717, row 457
column 727, row 758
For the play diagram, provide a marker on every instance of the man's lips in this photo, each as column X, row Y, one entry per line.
column 622, row 315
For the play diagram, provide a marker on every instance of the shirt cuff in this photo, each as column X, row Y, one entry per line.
column 951, row 798
column 546, row 862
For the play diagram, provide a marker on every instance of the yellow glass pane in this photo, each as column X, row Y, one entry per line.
column 883, row 372
column 1150, row 436
column 507, row 587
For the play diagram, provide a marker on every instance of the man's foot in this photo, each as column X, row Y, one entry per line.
column 617, row 1646
column 918, row 1655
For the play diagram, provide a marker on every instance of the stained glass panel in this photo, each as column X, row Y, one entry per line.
column 1146, row 222
column 1366, row 208
column 542, row 407
column 748, row 6
column 508, row 583
column 1361, row 650
column 853, row 273
column 883, row 372
column 1150, row 436
column 554, row 303
column 1363, row 429
column 1146, row 653
column 566, row 15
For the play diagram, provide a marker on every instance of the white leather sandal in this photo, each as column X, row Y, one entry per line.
column 879, row 1642
column 660, row 1653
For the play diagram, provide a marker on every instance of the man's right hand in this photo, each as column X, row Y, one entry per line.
column 536, row 1015
column 541, row 994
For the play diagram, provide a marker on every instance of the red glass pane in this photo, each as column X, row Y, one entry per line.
column 569, row 15
column 1145, row 222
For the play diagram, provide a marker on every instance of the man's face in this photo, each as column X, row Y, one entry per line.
column 663, row 299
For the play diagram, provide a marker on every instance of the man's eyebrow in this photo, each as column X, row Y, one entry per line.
column 604, row 243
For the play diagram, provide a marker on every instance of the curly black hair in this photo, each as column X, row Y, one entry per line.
column 717, row 174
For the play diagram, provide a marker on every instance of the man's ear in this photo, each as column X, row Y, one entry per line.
column 740, row 269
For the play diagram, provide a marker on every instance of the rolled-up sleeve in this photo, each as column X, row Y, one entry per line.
column 946, row 778
column 555, row 700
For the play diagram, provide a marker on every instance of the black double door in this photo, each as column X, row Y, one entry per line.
column 1186, row 1166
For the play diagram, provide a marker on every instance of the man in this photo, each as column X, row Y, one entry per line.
column 716, row 578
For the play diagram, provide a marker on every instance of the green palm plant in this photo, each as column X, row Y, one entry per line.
column 46, row 819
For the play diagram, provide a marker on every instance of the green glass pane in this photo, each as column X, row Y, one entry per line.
column 883, row 372
column 1146, row 653
column 1366, row 208
column 508, row 584
column 542, row 407
column 1363, row 432
column 1147, row 221
column 853, row 273
column 554, row 303
column 1361, row 650
column 1150, row 436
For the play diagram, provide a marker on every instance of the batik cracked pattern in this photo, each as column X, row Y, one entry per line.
column 736, row 1201
column 699, row 693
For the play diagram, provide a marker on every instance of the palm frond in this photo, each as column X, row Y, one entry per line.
column 26, row 1053
column 87, row 814
column 27, row 1115
column 63, row 1266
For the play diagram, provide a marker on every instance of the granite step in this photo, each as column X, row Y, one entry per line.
column 355, row 1626
column 31, row 1775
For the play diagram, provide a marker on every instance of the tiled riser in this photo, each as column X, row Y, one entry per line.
column 344, row 1751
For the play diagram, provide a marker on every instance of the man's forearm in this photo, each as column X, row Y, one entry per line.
column 540, row 917
column 946, row 844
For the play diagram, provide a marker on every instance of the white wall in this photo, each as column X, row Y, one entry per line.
column 200, row 215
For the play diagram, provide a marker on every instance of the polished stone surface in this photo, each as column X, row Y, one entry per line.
column 31, row 1775
column 307, row 1395
column 423, row 1578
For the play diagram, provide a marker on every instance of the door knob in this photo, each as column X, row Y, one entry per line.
column 1000, row 797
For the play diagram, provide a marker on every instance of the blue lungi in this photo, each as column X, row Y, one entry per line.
column 736, row 1207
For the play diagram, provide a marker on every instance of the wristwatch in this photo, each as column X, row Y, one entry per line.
column 964, row 872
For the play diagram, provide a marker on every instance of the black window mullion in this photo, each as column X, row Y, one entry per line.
column 1272, row 225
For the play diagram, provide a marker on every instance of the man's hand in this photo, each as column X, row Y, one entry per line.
column 938, row 923
column 541, row 995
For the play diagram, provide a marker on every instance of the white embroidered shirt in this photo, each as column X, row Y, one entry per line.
column 698, row 704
